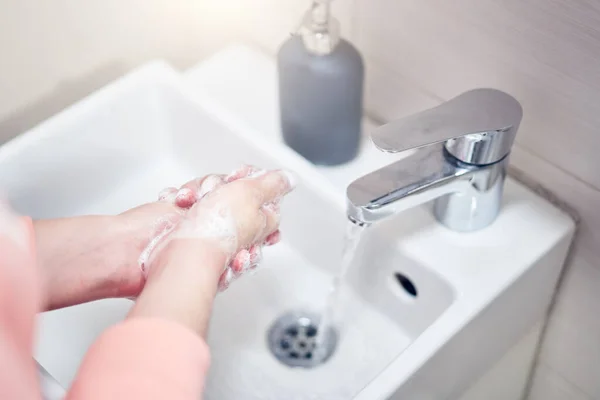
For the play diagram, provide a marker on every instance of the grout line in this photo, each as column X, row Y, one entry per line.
column 558, row 167
column 542, row 191
column 523, row 178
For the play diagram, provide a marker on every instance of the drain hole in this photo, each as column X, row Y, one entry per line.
column 292, row 331
column 311, row 331
column 406, row 284
column 293, row 339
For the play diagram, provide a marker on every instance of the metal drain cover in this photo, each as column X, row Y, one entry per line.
column 293, row 340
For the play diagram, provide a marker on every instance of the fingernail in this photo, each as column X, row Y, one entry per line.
column 185, row 198
column 256, row 173
column 240, row 262
column 272, row 207
column 273, row 238
column 291, row 178
column 225, row 279
column 255, row 256
column 210, row 183
column 167, row 194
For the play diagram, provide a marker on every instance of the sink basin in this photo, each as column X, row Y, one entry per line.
column 417, row 299
column 118, row 148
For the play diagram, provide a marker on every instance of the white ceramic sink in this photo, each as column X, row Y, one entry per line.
column 476, row 293
column 118, row 148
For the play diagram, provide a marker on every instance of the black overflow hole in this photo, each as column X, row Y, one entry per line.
column 406, row 284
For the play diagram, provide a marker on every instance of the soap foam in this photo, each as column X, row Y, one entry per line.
column 209, row 184
column 162, row 228
column 217, row 225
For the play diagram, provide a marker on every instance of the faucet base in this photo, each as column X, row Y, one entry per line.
column 477, row 208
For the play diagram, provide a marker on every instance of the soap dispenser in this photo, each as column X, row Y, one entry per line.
column 320, row 89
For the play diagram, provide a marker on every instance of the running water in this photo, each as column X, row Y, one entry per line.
column 351, row 241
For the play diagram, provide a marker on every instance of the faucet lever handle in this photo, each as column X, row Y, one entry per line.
column 478, row 126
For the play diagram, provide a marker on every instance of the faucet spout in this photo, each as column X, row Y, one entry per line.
column 430, row 173
column 461, row 150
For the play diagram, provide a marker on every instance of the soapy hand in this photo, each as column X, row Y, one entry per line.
column 237, row 214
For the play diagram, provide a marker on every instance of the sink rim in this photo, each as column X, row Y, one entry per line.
column 470, row 297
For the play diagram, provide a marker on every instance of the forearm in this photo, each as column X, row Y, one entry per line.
column 79, row 265
column 172, row 296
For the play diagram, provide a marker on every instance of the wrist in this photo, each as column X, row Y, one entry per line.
column 182, row 283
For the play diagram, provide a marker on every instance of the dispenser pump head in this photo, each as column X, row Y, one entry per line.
column 319, row 30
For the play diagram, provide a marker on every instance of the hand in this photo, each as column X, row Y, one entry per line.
column 151, row 224
column 215, row 201
column 236, row 217
column 101, row 258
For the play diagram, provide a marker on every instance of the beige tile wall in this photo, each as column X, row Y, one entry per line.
column 418, row 52
column 54, row 52
column 547, row 54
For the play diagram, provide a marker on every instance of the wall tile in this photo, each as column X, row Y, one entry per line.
column 547, row 54
column 550, row 385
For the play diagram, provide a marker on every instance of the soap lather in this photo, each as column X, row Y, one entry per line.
column 321, row 90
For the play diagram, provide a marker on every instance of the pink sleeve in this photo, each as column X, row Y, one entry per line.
column 19, row 302
column 137, row 359
column 143, row 358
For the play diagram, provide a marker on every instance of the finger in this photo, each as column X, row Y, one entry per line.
column 187, row 195
column 185, row 198
column 272, row 215
column 209, row 184
column 275, row 184
column 196, row 189
column 194, row 184
column 240, row 262
column 244, row 171
column 255, row 252
column 167, row 195
column 225, row 279
column 273, row 238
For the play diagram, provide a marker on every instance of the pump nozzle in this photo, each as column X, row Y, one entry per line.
column 320, row 31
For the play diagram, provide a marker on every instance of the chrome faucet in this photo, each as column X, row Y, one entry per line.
column 460, row 161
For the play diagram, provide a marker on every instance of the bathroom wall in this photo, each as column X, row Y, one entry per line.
column 418, row 53
column 547, row 54
column 54, row 52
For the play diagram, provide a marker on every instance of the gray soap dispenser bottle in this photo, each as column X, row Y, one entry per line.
column 321, row 90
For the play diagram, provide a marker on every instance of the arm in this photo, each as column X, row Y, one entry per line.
column 87, row 258
column 159, row 351
column 95, row 257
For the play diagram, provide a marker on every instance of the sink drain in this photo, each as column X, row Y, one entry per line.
column 293, row 340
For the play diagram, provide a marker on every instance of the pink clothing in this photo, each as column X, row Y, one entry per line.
column 140, row 358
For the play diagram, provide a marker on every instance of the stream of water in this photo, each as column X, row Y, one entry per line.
column 351, row 241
